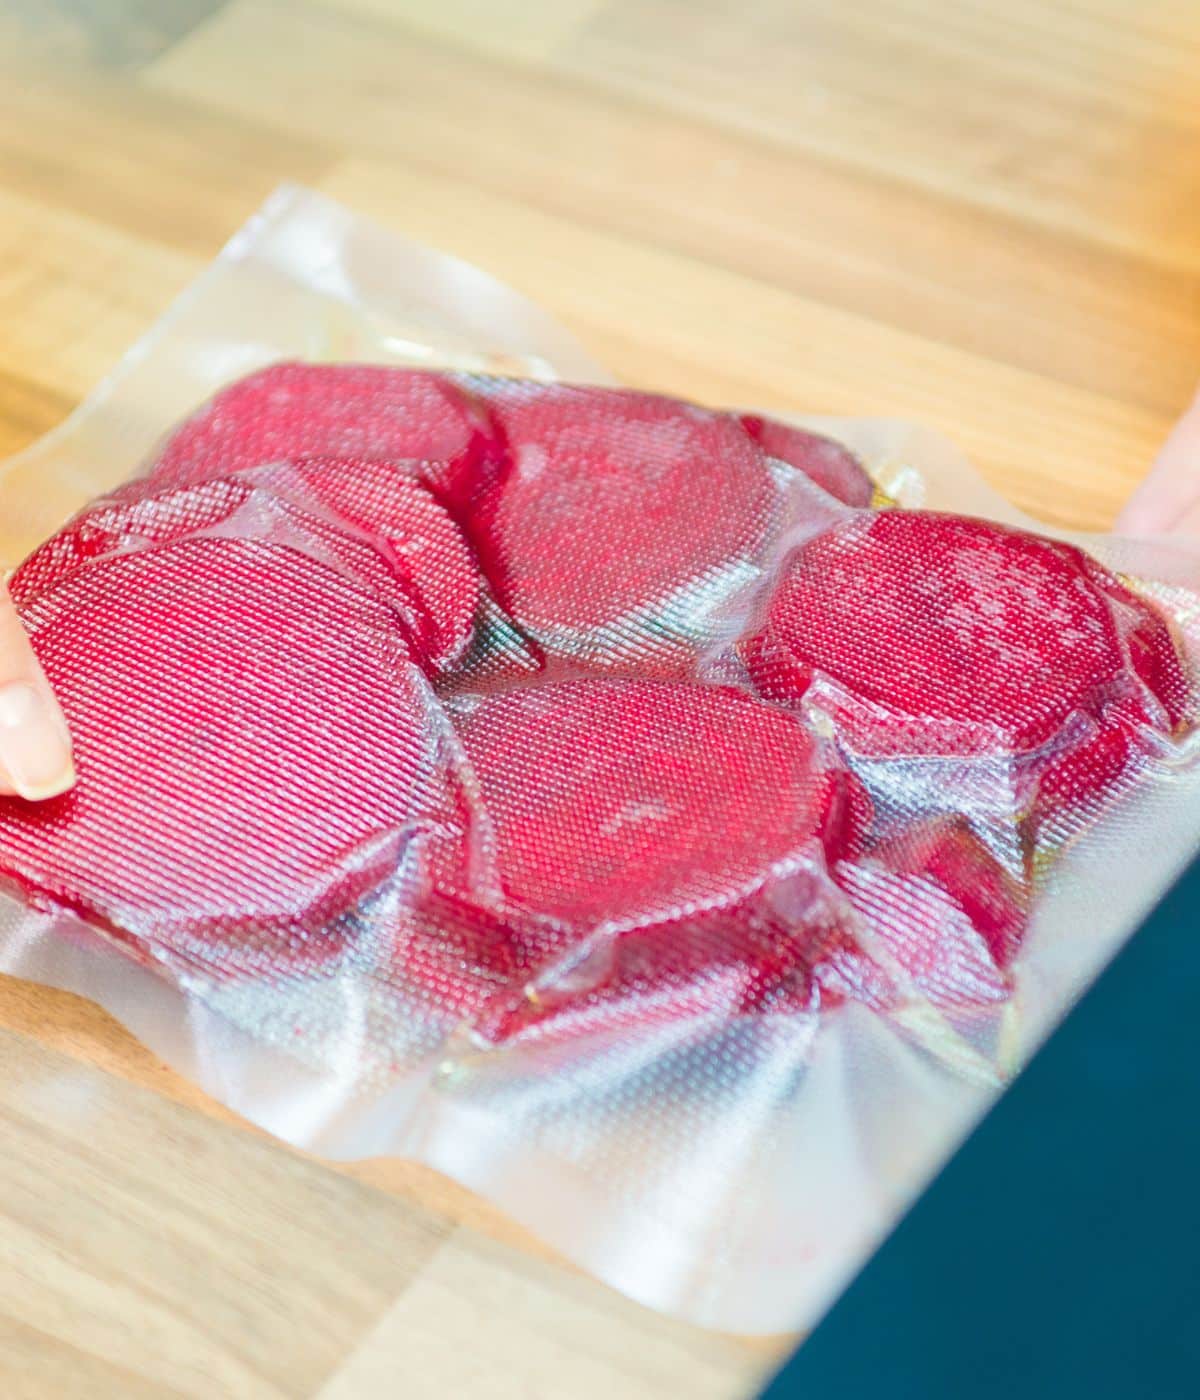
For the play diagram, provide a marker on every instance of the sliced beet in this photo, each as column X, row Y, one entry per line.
column 942, row 911
column 255, row 752
column 692, row 821
column 631, row 802
column 930, row 915
column 143, row 515
column 416, row 536
column 422, row 423
column 136, row 516
column 917, row 635
column 623, row 522
column 833, row 467
column 363, row 519
column 450, row 962
column 708, row 970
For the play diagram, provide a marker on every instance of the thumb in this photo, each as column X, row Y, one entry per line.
column 1169, row 498
column 35, row 747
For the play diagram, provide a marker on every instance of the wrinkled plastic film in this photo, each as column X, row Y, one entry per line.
column 675, row 824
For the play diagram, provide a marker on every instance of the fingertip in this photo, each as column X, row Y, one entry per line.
column 1170, row 493
column 55, row 786
column 36, row 761
column 1138, row 518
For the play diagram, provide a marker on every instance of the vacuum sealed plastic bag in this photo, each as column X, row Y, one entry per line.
column 674, row 823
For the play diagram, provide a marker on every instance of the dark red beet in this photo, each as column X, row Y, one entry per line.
column 631, row 802
column 935, row 918
column 941, row 911
column 136, row 516
column 422, row 423
column 693, row 821
column 376, row 526
column 920, row 635
column 448, row 962
column 255, row 750
column 707, row 969
column 419, row 541
column 834, row 468
column 624, row 520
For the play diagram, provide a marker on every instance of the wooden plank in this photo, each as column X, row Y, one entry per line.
column 1051, row 112
column 27, row 411
column 36, row 1364
column 146, row 1249
column 534, row 30
column 75, row 293
column 670, row 323
column 1054, row 301
column 531, row 1335
column 139, row 161
column 202, row 1259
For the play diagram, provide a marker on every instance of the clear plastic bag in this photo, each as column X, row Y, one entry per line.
column 670, row 887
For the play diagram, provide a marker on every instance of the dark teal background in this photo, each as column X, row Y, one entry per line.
column 1056, row 1255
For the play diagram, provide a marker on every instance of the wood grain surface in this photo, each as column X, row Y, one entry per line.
column 984, row 214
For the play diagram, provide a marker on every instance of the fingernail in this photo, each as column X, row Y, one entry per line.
column 33, row 752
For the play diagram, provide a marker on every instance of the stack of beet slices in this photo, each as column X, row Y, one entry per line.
column 509, row 696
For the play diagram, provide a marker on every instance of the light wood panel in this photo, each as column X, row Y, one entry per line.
column 147, row 1248
column 174, row 173
column 896, row 250
column 1055, row 113
column 1061, row 452
column 76, row 291
column 981, row 213
column 151, row 1239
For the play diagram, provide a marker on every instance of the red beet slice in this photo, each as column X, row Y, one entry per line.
column 423, row 423
column 624, row 520
column 139, row 516
column 418, row 539
column 832, row 466
column 940, row 913
column 448, row 962
column 921, row 635
column 134, row 517
column 692, row 820
column 629, row 802
column 708, row 970
column 379, row 528
column 943, row 912
column 255, row 752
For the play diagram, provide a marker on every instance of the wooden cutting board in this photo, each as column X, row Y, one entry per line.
column 984, row 215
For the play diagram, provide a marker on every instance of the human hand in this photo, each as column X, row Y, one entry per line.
column 35, row 747
column 1168, row 501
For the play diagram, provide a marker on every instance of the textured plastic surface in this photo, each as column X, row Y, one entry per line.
column 673, row 823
